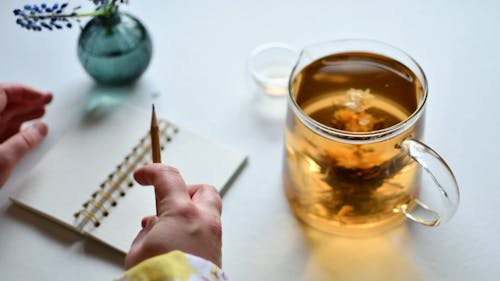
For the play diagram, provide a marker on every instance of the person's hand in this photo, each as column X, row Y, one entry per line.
column 187, row 219
column 18, row 104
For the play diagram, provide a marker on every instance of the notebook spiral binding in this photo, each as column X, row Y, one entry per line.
column 116, row 184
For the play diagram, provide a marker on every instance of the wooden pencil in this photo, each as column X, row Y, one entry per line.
column 155, row 138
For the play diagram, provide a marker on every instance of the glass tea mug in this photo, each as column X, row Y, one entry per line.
column 361, row 182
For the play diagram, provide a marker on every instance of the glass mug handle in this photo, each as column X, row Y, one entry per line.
column 443, row 178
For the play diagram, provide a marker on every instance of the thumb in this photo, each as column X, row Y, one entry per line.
column 18, row 145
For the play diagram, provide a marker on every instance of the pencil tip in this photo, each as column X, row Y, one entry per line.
column 153, row 107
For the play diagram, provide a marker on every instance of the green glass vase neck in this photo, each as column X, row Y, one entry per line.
column 109, row 20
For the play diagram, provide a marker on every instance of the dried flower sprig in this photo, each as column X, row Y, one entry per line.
column 56, row 16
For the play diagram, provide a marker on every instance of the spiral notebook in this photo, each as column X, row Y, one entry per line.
column 85, row 182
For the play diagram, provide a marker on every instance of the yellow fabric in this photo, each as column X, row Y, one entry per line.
column 170, row 266
column 175, row 266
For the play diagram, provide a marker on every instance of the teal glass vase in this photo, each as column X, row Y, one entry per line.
column 115, row 50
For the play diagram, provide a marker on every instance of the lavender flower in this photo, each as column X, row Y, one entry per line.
column 59, row 15
column 50, row 17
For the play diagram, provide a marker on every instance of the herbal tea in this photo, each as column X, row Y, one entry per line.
column 336, row 185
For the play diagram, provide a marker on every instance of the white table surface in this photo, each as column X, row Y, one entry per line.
column 198, row 71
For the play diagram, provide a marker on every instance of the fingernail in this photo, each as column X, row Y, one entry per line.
column 41, row 128
column 48, row 98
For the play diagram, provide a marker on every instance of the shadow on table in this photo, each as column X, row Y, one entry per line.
column 98, row 101
column 64, row 236
column 99, row 96
column 376, row 258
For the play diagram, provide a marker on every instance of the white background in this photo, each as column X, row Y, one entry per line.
column 199, row 74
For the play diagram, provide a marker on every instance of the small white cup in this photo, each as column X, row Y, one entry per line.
column 270, row 66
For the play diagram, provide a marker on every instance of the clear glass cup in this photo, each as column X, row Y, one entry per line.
column 361, row 179
column 270, row 66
